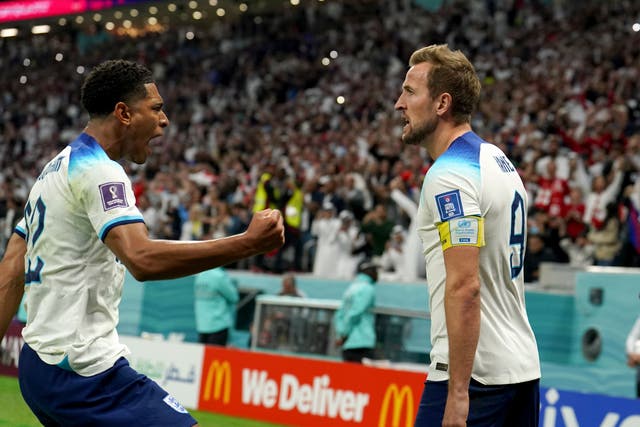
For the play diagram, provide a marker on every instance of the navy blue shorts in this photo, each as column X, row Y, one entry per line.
column 120, row 396
column 489, row 405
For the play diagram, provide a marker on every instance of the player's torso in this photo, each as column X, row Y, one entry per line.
column 73, row 281
column 62, row 245
column 476, row 179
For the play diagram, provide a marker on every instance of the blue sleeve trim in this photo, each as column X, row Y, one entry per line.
column 20, row 232
column 116, row 222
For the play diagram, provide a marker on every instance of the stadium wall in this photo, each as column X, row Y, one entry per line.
column 605, row 301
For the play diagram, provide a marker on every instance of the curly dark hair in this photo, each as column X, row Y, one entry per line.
column 111, row 82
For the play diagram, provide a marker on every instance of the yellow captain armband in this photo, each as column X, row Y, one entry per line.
column 465, row 231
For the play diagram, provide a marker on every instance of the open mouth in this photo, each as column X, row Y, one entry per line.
column 155, row 140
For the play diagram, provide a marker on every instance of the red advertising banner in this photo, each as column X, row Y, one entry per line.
column 307, row 392
column 10, row 349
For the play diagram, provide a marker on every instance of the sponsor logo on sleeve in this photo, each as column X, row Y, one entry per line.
column 113, row 195
column 464, row 231
column 449, row 205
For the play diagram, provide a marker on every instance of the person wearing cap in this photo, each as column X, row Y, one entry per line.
column 354, row 321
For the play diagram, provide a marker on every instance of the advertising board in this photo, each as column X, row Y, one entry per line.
column 175, row 366
column 10, row 349
column 307, row 392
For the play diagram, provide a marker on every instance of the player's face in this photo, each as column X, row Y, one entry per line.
column 417, row 106
column 148, row 121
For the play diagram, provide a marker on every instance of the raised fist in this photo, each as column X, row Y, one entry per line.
column 266, row 230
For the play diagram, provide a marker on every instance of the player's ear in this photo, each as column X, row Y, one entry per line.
column 445, row 103
column 122, row 112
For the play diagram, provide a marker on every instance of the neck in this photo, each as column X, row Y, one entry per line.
column 443, row 137
column 106, row 136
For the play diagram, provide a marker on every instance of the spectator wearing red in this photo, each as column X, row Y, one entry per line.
column 552, row 192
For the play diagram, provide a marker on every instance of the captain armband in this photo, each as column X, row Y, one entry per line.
column 465, row 231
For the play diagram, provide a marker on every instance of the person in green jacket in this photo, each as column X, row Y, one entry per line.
column 354, row 320
column 215, row 302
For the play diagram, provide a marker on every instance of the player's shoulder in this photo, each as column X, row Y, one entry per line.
column 86, row 155
column 456, row 168
column 86, row 150
column 462, row 156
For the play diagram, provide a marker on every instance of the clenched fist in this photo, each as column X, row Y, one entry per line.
column 266, row 230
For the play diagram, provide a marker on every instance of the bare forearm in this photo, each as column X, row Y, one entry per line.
column 169, row 259
column 462, row 308
column 149, row 259
column 11, row 280
column 11, row 291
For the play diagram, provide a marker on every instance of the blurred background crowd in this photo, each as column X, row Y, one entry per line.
column 293, row 108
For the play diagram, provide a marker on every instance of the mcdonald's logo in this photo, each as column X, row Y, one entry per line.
column 401, row 397
column 218, row 378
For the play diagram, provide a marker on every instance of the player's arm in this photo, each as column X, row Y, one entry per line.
column 148, row 259
column 462, row 311
column 11, row 280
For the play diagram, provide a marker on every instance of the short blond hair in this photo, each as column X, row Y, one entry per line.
column 453, row 73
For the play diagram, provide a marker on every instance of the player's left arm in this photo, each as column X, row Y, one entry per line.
column 462, row 311
column 461, row 240
column 451, row 197
column 11, row 280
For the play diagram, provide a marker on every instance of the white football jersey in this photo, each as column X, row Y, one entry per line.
column 73, row 281
column 473, row 195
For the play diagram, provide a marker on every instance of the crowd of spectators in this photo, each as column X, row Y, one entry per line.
column 257, row 120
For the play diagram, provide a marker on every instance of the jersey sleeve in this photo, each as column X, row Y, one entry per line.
column 105, row 192
column 453, row 197
column 21, row 228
